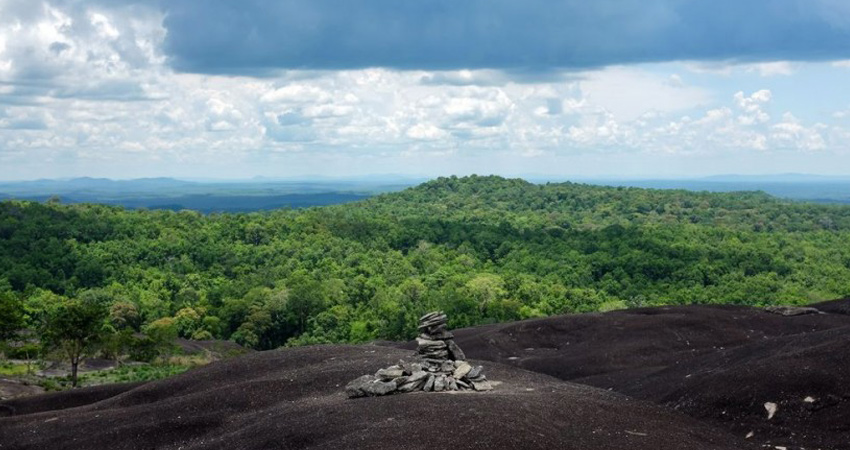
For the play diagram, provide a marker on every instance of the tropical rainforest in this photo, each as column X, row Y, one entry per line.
column 482, row 249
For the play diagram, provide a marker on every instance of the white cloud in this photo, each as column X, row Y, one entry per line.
column 752, row 107
column 771, row 69
column 791, row 133
column 297, row 93
column 104, row 27
column 629, row 92
column 426, row 132
column 727, row 69
column 477, row 107
column 222, row 116
column 87, row 84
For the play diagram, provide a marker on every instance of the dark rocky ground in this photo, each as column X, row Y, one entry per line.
column 14, row 387
column 293, row 399
column 718, row 364
column 661, row 378
column 216, row 348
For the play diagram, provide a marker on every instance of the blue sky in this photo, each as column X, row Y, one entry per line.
column 567, row 88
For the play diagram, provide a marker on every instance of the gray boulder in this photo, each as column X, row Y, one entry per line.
column 368, row 386
column 429, row 384
column 483, row 385
column 416, row 376
column 455, row 352
column 475, row 372
column 461, row 370
column 439, row 383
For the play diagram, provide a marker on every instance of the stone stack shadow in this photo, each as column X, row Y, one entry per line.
column 440, row 365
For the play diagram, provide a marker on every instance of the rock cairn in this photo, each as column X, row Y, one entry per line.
column 440, row 366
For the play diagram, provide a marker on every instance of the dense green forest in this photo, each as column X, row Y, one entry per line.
column 482, row 249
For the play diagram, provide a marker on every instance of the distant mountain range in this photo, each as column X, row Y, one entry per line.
column 803, row 187
column 269, row 193
column 778, row 178
column 204, row 196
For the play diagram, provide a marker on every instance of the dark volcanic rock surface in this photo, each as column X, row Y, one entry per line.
column 835, row 306
column 720, row 364
column 62, row 400
column 294, row 399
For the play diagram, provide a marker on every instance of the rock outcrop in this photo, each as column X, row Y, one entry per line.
column 440, row 365
column 792, row 310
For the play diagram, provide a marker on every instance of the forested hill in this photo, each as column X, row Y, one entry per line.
column 483, row 249
column 587, row 206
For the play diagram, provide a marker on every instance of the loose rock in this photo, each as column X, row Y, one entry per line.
column 429, row 385
column 462, row 370
column 417, row 376
column 439, row 383
column 389, row 373
column 367, row 386
column 454, row 351
column 482, row 385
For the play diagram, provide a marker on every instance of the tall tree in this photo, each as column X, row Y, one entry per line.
column 75, row 327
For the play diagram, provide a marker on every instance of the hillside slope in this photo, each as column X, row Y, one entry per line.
column 483, row 249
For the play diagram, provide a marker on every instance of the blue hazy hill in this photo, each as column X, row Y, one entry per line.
column 270, row 193
column 204, row 196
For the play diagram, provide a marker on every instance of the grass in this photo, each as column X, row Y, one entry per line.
column 11, row 369
column 123, row 374
column 130, row 374
column 162, row 367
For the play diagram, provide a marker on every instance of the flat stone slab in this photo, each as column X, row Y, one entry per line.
column 482, row 385
column 429, row 344
column 389, row 373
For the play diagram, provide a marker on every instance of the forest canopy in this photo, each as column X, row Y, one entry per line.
column 483, row 249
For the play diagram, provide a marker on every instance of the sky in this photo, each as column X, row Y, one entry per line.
column 340, row 88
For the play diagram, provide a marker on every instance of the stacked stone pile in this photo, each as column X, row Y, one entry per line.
column 440, row 366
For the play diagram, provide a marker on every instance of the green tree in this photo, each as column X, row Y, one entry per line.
column 188, row 321
column 11, row 315
column 75, row 327
column 124, row 316
column 162, row 333
column 486, row 290
column 303, row 299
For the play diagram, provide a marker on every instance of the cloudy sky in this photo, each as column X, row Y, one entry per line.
column 613, row 88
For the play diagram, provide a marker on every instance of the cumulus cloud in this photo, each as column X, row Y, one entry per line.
column 58, row 50
column 628, row 93
column 87, row 84
column 751, row 107
column 790, row 132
